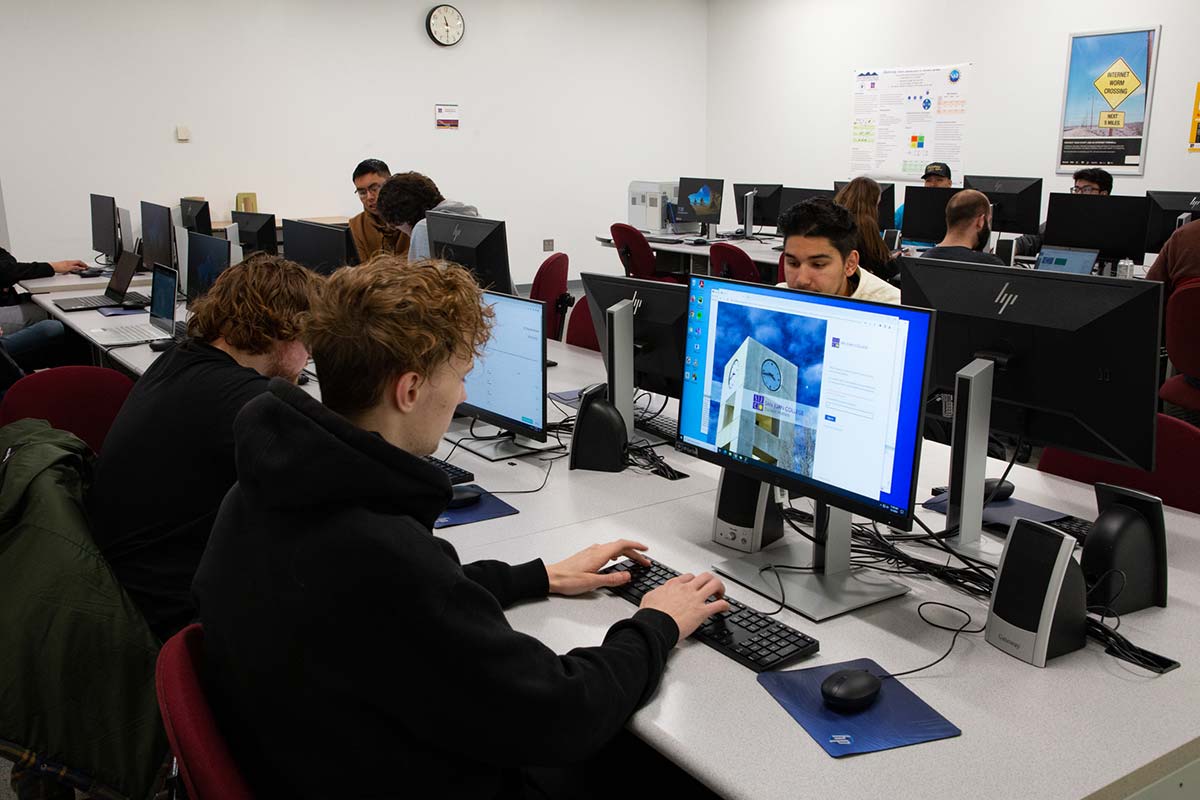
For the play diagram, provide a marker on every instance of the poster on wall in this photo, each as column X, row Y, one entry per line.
column 1193, row 132
column 1106, row 105
column 445, row 117
column 906, row 117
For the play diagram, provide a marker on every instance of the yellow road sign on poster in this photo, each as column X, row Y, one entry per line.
column 1112, row 119
column 1194, row 133
column 1117, row 82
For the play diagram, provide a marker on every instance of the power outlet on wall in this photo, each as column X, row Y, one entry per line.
column 547, row 245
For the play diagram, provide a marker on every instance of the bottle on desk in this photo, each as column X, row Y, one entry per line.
column 1125, row 268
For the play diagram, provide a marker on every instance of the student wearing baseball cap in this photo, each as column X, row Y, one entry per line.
column 937, row 176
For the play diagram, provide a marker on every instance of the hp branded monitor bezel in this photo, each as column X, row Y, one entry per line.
column 887, row 203
column 106, row 230
column 1113, row 224
column 480, row 245
column 1016, row 202
column 256, row 232
column 200, row 246
column 684, row 212
column 321, row 248
column 925, row 213
column 766, row 203
column 157, row 249
column 195, row 215
column 1162, row 213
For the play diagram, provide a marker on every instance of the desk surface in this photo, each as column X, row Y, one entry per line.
column 74, row 283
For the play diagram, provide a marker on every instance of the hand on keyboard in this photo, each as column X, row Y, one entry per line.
column 685, row 599
column 580, row 573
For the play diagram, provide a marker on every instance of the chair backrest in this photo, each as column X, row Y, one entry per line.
column 1177, row 452
column 781, row 276
column 550, row 286
column 730, row 261
column 634, row 251
column 205, row 763
column 81, row 400
column 580, row 330
column 1183, row 327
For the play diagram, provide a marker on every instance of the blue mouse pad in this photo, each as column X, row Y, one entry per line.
column 897, row 718
column 1001, row 512
column 488, row 507
column 120, row 312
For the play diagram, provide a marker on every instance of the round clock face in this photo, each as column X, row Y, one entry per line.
column 772, row 378
column 445, row 25
column 733, row 370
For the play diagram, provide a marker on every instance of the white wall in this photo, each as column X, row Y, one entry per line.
column 800, row 57
column 283, row 98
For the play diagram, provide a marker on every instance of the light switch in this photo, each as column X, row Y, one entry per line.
column 183, row 133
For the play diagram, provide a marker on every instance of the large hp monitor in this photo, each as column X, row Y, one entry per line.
column 321, row 248
column 1115, row 225
column 887, row 203
column 195, row 214
column 699, row 200
column 1016, row 202
column 1069, row 361
column 1168, row 210
column 925, row 213
column 659, row 329
column 480, row 245
column 207, row 258
column 507, row 385
column 157, row 236
column 818, row 394
column 766, row 203
column 256, row 232
column 106, row 231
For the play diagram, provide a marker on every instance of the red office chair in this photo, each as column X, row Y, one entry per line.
column 1177, row 451
column 205, row 763
column 781, row 276
column 730, row 261
column 636, row 256
column 580, row 330
column 81, row 400
column 550, row 286
column 1183, row 346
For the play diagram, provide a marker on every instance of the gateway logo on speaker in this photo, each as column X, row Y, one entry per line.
column 1009, row 642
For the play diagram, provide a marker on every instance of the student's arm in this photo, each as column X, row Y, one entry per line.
column 418, row 247
column 1158, row 271
column 510, row 583
column 13, row 271
column 357, row 232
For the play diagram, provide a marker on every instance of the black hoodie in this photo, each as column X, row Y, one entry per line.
column 349, row 654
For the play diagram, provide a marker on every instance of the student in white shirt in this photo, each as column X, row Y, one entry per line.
column 819, row 255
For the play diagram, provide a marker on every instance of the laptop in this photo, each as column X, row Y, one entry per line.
column 1074, row 260
column 117, row 294
column 164, row 287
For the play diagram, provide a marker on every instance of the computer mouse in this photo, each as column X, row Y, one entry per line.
column 465, row 496
column 698, row 241
column 90, row 272
column 302, row 379
column 850, row 690
column 1003, row 493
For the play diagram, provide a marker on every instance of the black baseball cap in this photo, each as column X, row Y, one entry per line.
column 937, row 169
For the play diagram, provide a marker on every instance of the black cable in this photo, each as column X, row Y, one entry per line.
column 545, row 478
column 953, row 640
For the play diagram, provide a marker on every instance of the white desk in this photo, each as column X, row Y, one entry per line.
column 761, row 251
column 74, row 283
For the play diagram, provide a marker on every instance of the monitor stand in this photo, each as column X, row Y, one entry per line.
column 830, row 590
column 495, row 444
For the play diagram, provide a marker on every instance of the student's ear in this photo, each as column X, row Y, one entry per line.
column 406, row 391
column 851, row 263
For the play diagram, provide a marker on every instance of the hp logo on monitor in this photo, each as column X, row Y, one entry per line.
column 1005, row 298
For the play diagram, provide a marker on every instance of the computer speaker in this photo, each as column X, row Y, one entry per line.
column 600, row 439
column 1125, row 554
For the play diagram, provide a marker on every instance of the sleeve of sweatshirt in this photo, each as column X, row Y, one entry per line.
column 13, row 271
column 418, row 246
column 1158, row 271
column 510, row 583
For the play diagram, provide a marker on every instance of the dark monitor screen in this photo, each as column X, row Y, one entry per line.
column 925, row 213
column 766, row 202
column 1016, row 202
column 699, row 200
column 106, row 237
column 196, row 217
column 157, row 236
column 1074, row 348
column 164, row 287
column 1165, row 208
column 507, row 385
column 480, row 245
column 792, row 196
column 321, row 248
column 1115, row 225
column 659, row 314
column 887, row 203
column 816, row 393
column 256, row 232
column 208, row 257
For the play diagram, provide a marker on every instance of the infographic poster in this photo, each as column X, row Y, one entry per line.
column 1106, row 104
column 907, row 117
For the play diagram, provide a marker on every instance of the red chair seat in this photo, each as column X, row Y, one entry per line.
column 580, row 330
column 81, row 400
column 730, row 261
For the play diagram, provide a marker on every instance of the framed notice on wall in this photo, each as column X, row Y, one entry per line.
column 1106, row 101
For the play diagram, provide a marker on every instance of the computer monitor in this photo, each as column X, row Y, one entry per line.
column 1163, row 217
column 207, row 258
column 660, row 310
column 321, row 248
column 766, row 203
column 887, row 203
column 164, row 289
column 925, row 213
column 106, row 231
column 1115, row 225
column 1016, row 202
column 480, row 245
column 818, row 394
column 256, row 232
column 157, row 236
column 507, row 385
column 1075, row 260
column 196, row 217
column 1072, row 360
column 791, row 196
column 699, row 200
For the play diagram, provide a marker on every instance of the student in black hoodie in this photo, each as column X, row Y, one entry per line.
column 348, row 652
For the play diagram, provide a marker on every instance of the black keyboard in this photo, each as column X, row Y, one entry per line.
column 659, row 425
column 747, row 636
column 1072, row 526
column 456, row 475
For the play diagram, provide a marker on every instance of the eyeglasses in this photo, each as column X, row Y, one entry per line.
column 370, row 190
column 1085, row 190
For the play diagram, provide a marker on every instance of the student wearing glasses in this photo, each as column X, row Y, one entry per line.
column 1091, row 180
column 370, row 234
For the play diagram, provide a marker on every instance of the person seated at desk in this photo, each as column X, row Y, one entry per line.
column 329, row 605
column 25, row 333
column 1091, row 180
column 968, row 230
column 168, row 457
column 861, row 198
column 937, row 176
column 403, row 201
column 370, row 234
column 819, row 255
column 1179, row 258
